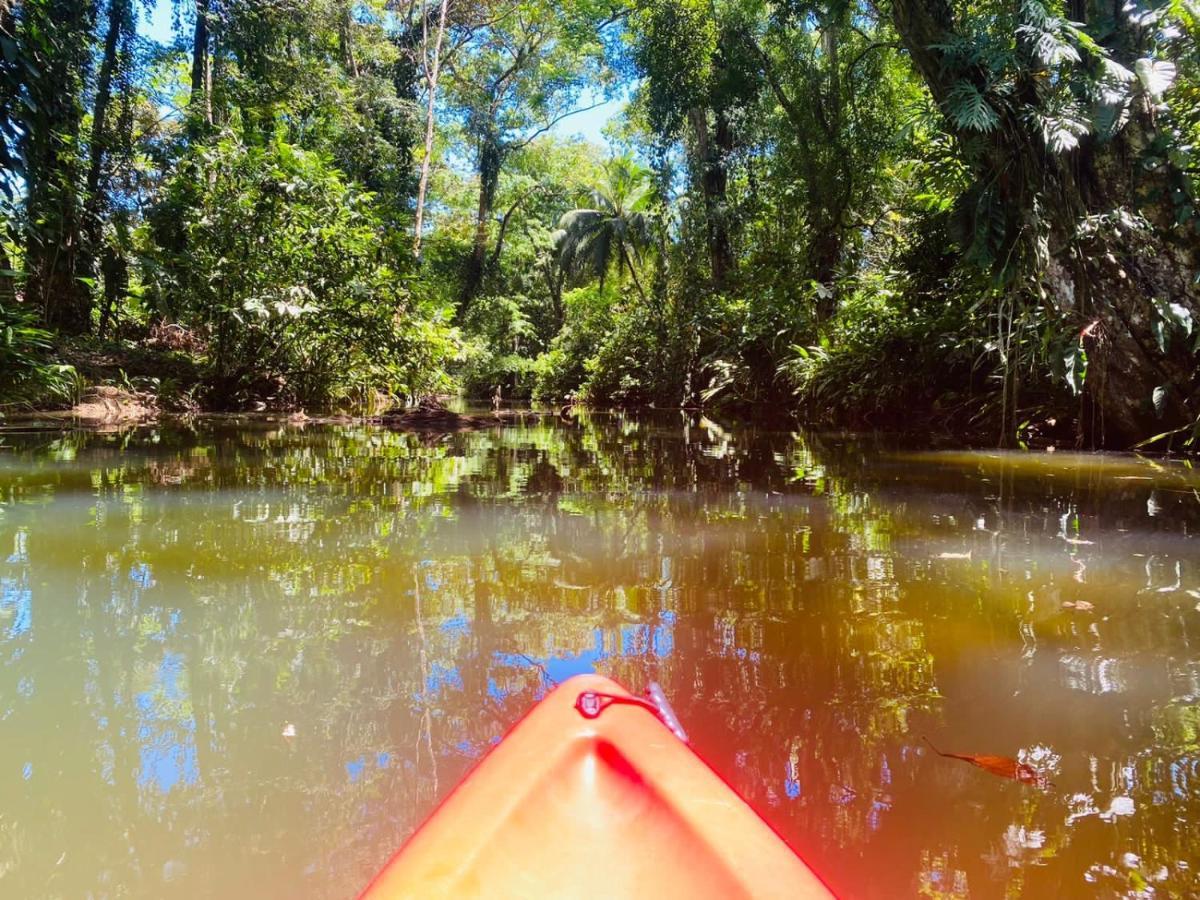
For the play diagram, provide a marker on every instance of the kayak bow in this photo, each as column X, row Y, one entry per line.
column 592, row 795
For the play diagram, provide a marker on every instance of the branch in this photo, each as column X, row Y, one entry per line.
column 543, row 129
column 495, row 258
column 789, row 107
column 878, row 46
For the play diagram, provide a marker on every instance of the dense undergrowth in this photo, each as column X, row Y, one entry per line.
column 979, row 219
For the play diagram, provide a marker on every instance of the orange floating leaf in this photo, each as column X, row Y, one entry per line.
column 1002, row 766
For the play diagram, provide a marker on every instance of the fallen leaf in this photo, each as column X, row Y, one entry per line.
column 289, row 730
column 1002, row 766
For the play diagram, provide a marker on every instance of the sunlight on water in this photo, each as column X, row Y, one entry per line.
column 247, row 659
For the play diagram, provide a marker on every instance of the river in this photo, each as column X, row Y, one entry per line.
column 246, row 658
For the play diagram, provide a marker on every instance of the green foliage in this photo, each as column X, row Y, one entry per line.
column 590, row 314
column 676, row 40
column 990, row 210
column 880, row 364
column 614, row 230
column 28, row 375
column 279, row 264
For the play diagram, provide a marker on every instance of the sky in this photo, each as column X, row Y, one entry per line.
column 588, row 125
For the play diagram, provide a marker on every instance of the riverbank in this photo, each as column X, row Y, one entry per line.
column 164, row 373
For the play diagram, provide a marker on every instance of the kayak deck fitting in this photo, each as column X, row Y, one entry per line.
column 592, row 795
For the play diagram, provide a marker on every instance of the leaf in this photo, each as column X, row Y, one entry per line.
column 1062, row 133
column 1155, row 75
column 1160, row 400
column 1108, row 119
column 1158, row 437
column 969, row 109
column 1076, row 362
column 1182, row 316
column 1001, row 766
column 1116, row 71
column 1048, row 46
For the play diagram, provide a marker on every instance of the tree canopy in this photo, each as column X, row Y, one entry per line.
column 978, row 216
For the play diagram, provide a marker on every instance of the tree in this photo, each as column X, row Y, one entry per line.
column 431, row 69
column 686, row 50
column 55, row 36
column 1077, row 196
column 528, row 69
column 834, row 76
column 200, row 104
column 613, row 230
column 101, row 141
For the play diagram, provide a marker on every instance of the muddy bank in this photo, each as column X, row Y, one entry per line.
column 98, row 406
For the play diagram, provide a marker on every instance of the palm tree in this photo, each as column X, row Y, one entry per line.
column 590, row 240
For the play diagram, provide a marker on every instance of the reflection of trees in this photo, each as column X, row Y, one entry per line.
column 809, row 607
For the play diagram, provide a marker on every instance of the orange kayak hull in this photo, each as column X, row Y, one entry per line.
column 613, row 806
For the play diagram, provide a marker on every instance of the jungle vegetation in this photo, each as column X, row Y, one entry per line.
column 966, row 214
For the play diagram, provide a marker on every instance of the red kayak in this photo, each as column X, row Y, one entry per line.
column 594, row 794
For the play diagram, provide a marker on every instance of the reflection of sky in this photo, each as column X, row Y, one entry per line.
column 1185, row 776
column 16, row 597
column 16, row 600
column 168, row 745
column 558, row 668
column 629, row 640
column 458, row 626
column 440, row 677
column 356, row 768
column 634, row 639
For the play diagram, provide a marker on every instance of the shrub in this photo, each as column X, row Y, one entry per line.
column 283, row 266
column 28, row 377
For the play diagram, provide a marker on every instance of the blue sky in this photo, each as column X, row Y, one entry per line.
column 589, row 124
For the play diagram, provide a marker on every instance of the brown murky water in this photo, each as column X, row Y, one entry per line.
column 247, row 659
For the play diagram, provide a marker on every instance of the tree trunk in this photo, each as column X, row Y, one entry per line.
column 825, row 252
column 200, row 105
column 432, row 67
column 8, row 283
column 10, row 84
column 1104, row 286
column 491, row 158
column 114, row 268
column 119, row 20
column 347, row 40
column 50, row 150
column 712, row 150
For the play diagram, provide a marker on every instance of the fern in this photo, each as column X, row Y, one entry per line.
column 1037, row 14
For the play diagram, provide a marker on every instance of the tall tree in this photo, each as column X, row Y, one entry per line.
column 528, row 69
column 120, row 32
column 200, row 106
column 12, row 80
column 613, row 229
column 695, row 80
column 57, row 36
column 431, row 69
column 831, row 71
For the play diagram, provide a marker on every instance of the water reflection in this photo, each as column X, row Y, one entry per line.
column 247, row 657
